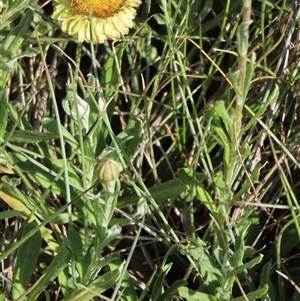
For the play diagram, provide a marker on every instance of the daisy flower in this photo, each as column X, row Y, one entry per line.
column 109, row 18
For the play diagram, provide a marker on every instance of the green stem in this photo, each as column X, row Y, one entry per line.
column 240, row 88
column 243, row 37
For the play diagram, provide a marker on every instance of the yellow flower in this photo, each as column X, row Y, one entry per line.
column 109, row 18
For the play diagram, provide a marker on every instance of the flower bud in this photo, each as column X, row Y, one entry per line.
column 108, row 169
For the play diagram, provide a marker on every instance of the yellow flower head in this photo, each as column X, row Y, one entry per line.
column 109, row 18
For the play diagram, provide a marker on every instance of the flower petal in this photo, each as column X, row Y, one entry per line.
column 110, row 20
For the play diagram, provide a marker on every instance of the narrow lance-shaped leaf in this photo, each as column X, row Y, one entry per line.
column 26, row 259
column 12, row 43
column 57, row 265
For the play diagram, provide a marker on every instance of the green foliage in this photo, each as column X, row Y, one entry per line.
column 3, row 109
column 56, row 266
column 160, row 167
column 26, row 259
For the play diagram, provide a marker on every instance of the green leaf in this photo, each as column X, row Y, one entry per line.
column 42, row 175
column 12, row 43
column 90, row 98
column 205, row 198
column 219, row 180
column 191, row 177
column 13, row 12
column 262, row 109
column 103, row 214
column 111, row 81
column 50, row 125
column 160, row 193
column 222, row 124
column 160, row 19
column 66, row 283
column 19, row 200
column 77, row 249
column 9, row 64
column 77, row 108
column 192, row 295
column 207, row 267
column 265, row 279
column 225, row 119
column 57, row 265
column 26, row 259
column 16, row 200
column 95, row 265
column 159, row 283
column 254, row 179
column 91, row 258
column 29, row 136
column 254, row 295
column 111, row 78
column 236, row 261
column 111, row 234
column 11, row 213
column 249, row 74
column 172, row 290
column 2, row 296
column 290, row 238
column 252, row 263
column 221, row 246
column 58, row 166
column 127, row 284
column 3, row 110
column 239, row 250
column 96, row 287
column 130, row 137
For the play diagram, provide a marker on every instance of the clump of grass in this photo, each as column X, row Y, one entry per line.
column 160, row 167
